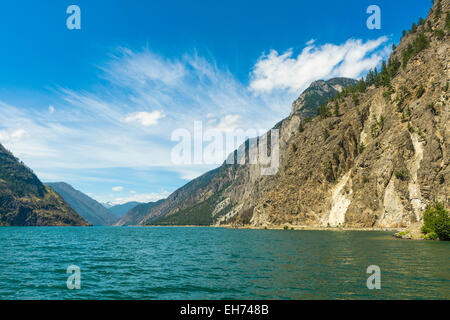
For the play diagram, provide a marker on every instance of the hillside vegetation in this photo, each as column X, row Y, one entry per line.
column 25, row 201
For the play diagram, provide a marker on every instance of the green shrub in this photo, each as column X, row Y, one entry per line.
column 355, row 99
column 403, row 233
column 377, row 126
column 400, row 175
column 438, row 11
column 436, row 220
column 336, row 110
column 439, row 34
column 420, row 91
column 422, row 135
column 361, row 147
column 323, row 112
column 326, row 134
column 431, row 236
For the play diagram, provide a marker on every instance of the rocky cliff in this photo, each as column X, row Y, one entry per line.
column 384, row 156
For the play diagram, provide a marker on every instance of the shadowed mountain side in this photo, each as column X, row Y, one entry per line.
column 91, row 210
column 25, row 201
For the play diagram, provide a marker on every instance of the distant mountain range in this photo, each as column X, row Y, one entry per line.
column 121, row 209
column 107, row 204
column 91, row 210
column 26, row 201
column 136, row 214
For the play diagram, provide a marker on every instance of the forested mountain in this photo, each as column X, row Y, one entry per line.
column 26, row 201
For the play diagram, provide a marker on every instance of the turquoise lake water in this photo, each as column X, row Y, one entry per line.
column 216, row 263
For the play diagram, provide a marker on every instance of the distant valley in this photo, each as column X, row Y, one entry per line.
column 91, row 210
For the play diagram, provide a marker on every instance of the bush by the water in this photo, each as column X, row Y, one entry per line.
column 436, row 222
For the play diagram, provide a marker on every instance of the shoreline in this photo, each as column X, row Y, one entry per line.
column 290, row 227
column 311, row 228
column 402, row 233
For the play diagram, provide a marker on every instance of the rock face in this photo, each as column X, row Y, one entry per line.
column 92, row 211
column 375, row 161
column 382, row 160
column 25, row 201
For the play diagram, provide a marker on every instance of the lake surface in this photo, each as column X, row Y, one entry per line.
column 216, row 263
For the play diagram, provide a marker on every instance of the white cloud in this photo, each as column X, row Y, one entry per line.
column 228, row 123
column 142, row 197
column 117, row 189
column 284, row 72
column 12, row 135
column 145, row 118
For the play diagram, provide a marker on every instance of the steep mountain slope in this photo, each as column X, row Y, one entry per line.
column 92, row 211
column 375, row 156
column 121, row 209
column 384, row 157
column 25, row 201
column 136, row 214
column 192, row 193
column 216, row 195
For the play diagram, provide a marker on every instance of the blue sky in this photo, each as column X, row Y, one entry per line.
column 96, row 107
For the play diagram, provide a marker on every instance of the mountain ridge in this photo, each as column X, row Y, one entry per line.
column 91, row 210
